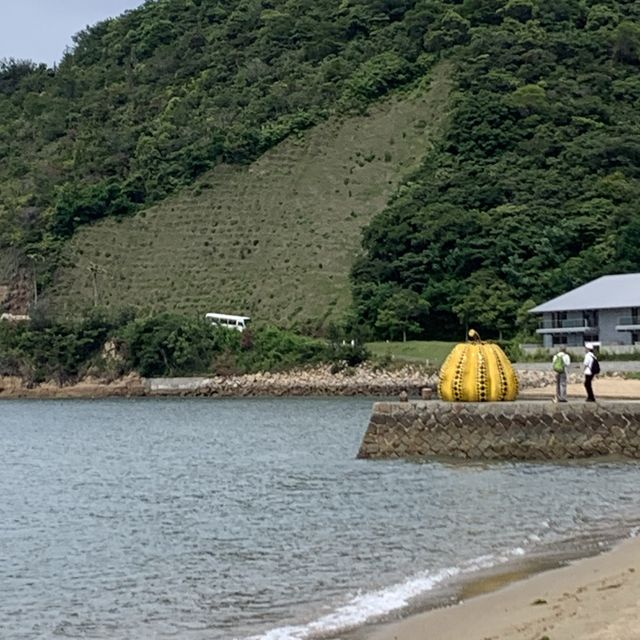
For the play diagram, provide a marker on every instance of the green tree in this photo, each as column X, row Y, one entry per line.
column 401, row 315
column 626, row 42
column 530, row 192
column 488, row 303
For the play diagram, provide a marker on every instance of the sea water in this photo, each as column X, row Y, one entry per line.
column 252, row 518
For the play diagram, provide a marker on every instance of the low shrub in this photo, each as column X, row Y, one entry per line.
column 56, row 352
column 164, row 344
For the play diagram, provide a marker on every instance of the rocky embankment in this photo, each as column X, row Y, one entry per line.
column 128, row 386
column 319, row 381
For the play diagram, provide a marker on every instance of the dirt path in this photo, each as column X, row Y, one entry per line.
column 607, row 387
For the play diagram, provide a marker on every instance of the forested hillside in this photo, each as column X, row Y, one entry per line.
column 147, row 102
column 530, row 190
column 274, row 239
column 535, row 187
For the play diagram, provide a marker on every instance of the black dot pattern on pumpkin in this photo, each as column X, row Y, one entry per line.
column 458, row 377
column 445, row 367
column 481, row 378
column 502, row 374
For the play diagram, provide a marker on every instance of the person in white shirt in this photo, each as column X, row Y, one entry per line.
column 560, row 364
column 589, row 357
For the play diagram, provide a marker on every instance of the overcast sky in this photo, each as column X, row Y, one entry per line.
column 40, row 30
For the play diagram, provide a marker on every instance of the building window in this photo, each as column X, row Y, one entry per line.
column 590, row 318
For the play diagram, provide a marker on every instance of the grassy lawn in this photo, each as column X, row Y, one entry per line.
column 413, row 350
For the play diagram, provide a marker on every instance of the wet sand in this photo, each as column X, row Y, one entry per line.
column 596, row 598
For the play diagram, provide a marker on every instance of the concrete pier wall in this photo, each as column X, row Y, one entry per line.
column 521, row 430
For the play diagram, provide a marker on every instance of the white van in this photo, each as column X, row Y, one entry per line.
column 239, row 323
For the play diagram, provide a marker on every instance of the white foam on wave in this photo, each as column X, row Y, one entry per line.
column 375, row 604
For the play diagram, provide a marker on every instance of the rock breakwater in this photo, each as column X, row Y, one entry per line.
column 319, row 381
column 366, row 380
column 520, row 430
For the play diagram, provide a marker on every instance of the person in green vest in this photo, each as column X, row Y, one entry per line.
column 560, row 364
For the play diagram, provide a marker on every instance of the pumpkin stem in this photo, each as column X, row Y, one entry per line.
column 474, row 335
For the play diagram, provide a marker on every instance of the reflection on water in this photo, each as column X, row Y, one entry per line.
column 217, row 519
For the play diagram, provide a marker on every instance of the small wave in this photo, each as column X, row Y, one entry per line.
column 373, row 605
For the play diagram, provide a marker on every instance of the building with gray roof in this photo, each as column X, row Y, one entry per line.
column 605, row 311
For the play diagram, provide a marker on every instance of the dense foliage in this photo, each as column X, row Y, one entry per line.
column 531, row 192
column 145, row 103
column 109, row 345
column 51, row 351
column 534, row 189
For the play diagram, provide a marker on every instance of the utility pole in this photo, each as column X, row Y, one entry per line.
column 34, row 259
column 94, row 269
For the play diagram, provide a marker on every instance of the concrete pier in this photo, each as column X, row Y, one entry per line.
column 521, row 430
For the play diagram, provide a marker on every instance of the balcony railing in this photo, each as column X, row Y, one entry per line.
column 628, row 323
column 573, row 323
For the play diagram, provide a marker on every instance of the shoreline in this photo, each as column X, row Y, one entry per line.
column 594, row 597
column 368, row 381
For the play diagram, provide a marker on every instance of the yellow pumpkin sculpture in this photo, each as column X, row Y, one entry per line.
column 477, row 371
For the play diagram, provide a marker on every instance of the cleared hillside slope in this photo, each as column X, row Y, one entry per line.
column 274, row 240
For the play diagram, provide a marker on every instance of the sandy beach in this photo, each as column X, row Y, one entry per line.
column 597, row 598
column 603, row 387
